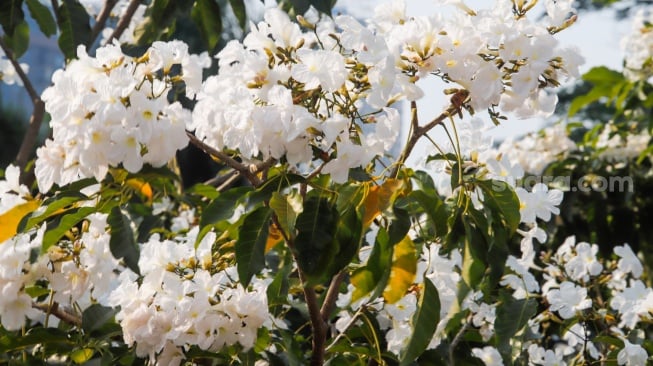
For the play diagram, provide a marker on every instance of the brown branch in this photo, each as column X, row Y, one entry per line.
column 246, row 171
column 101, row 20
column 123, row 23
column 416, row 133
column 36, row 119
column 332, row 295
column 59, row 313
column 317, row 323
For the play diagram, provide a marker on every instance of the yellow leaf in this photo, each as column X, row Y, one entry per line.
column 379, row 198
column 274, row 238
column 80, row 356
column 141, row 187
column 402, row 273
column 9, row 220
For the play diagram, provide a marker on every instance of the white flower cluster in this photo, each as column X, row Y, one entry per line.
column 500, row 58
column 78, row 274
column 285, row 93
column 180, row 302
column 112, row 109
column 537, row 150
column 8, row 73
column 638, row 47
column 15, row 303
column 616, row 149
column 568, row 274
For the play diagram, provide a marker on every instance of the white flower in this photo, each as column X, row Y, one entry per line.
column 504, row 169
column 628, row 261
column 584, row 263
column 545, row 357
column 634, row 304
column 632, row 355
column 320, row 68
column 489, row 355
column 568, row 299
column 559, row 10
column 539, row 203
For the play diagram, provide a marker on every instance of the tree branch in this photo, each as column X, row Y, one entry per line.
column 59, row 313
column 317, row 323
column 101, row 20
column 416, row 133
column 248, row 172
column 36, row 119
column 123, row 23
column 332, row 295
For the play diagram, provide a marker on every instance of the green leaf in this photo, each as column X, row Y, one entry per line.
column 314, row 244
column 501, row 198
column 74, row 25
column 95, row 316
column 204, row 190
column 425, row 322
column 206, row 15
column 238, row 7
column 602, row 74
column 34, row 336
column 123, row 240
column 374, row 275
column 66, row 223
column 348, row 237
column 54, row 205
column 19, row 41
column 11, row 14
column 287, row 208
column 250, row 246
column 512, row 316
column 223, row 207
column 43, row 17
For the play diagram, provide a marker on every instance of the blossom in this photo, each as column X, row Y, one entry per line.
column 634, row 303
column 320, row 68
column 584, row 263
column 632, row 355
column 489, row 355
column 628, row 261
column 539, row 203
column 568, row 299
column 545, row 357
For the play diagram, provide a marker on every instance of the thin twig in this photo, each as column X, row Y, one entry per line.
column 332, row 295
column 416, row 133
column 457, row 339
column 59, row 313
column 124, row 21
column 228, row 182
column 36, row 119
column 101, row 20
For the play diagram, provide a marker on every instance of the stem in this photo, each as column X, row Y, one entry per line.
column 417, row 132
column 29, row 140
column 101, row 20
column 332, row 295
column 123, row 23
column 248, row 172
column 317, row 322
column 59, row 313
column 456, row 340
